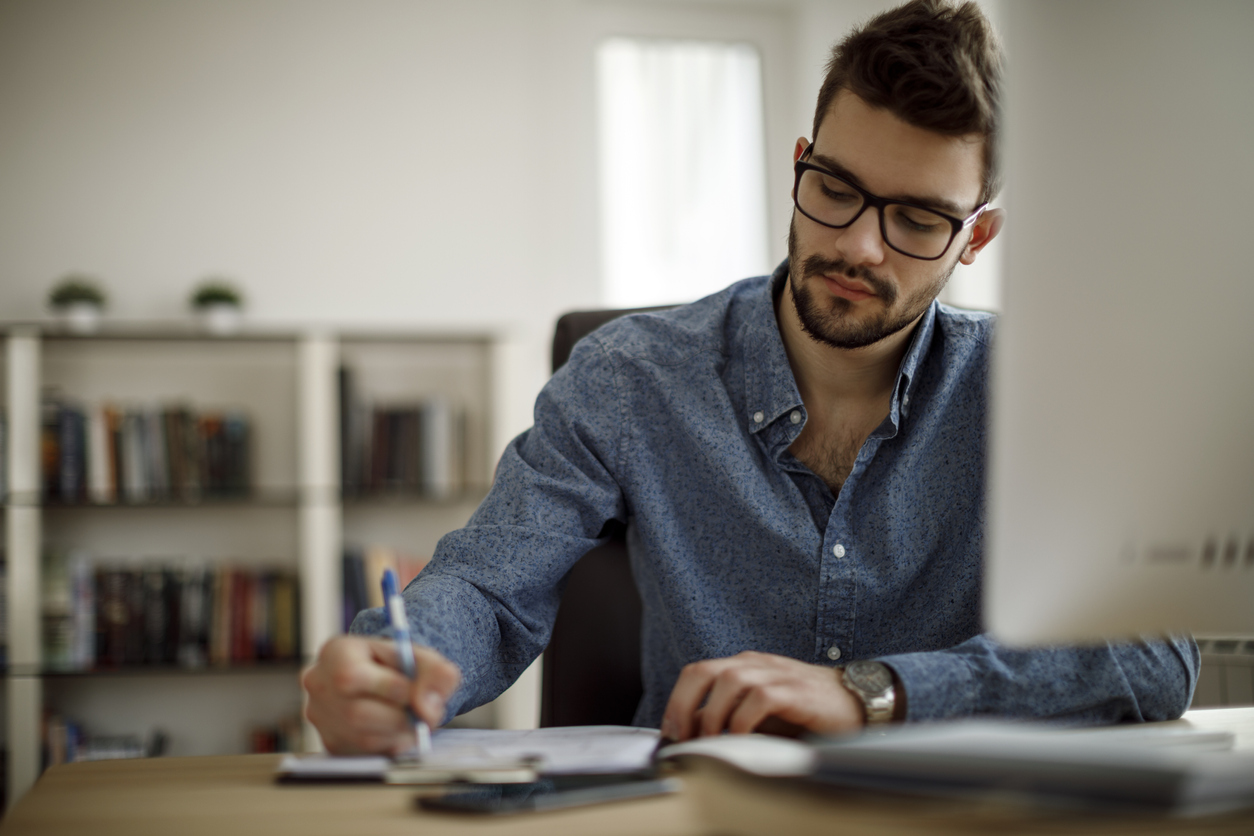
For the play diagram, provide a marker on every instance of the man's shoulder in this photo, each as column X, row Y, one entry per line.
column 676, row 336
column 964, row 327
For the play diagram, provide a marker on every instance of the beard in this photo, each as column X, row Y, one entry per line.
column 836, row 325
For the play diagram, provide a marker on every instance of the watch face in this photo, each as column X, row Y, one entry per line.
column 869, row 677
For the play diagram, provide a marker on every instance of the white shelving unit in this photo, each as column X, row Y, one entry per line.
column 296, row 516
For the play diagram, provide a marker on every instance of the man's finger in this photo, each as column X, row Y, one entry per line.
column 361, row 669
column 726, row 693
column 752, row 711
column 437, row 680
column 692, row 687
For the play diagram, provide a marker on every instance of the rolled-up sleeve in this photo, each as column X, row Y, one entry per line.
column 1151, row 679
column 489, row 596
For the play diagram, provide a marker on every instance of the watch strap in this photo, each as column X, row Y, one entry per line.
column 878, row 704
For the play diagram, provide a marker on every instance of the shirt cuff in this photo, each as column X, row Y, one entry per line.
column 937, row 685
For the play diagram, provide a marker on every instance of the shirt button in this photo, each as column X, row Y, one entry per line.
column 833, row 653
column 838, row 550
column 758, row 416
column 795, row 417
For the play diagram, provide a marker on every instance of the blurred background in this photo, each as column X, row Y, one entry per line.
column 385, row 163
column 400, row 197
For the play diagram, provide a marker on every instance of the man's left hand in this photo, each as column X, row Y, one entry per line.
column 742, row 691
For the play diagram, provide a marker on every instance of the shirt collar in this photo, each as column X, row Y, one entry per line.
column 770, row 388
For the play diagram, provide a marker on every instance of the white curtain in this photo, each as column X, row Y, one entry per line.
column 682, row 169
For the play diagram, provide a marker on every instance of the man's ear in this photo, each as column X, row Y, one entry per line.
column 799, row 149
column 984, row 231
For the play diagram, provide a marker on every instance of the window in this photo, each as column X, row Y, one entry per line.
column 682, row 169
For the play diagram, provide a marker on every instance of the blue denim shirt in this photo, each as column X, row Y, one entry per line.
column 679, row 424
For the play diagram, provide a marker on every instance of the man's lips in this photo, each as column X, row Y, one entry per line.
column 846, row 288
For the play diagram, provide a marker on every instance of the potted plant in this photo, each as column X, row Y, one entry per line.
column 78, row 302
column 219, row 306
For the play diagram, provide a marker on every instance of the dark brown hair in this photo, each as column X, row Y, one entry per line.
column 931, row 63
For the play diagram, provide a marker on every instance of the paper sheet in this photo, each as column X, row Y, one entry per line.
column 563, row 750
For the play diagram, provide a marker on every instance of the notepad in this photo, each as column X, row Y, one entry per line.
column 482, row 754
column 1184, row 771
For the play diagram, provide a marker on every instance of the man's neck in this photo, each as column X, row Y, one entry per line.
column 827, row 375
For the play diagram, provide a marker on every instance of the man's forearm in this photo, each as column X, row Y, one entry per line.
column 1108, row 683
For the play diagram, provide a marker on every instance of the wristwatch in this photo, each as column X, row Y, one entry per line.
column 872, row 682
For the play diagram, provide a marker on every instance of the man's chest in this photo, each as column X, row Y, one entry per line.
column 831, row 440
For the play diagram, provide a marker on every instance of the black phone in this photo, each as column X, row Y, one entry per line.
column 554, row 793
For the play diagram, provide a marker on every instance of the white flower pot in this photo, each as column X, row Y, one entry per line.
column 221, row 318
column 80, row 317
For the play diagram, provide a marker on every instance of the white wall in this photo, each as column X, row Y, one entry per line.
column 380, row 162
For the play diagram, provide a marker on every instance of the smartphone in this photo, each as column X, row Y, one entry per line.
column 555, row 793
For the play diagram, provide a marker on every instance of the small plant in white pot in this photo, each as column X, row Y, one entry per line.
column 78, row 302
column 219, row 306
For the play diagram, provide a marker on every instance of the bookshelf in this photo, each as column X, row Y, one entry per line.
column 295, row 518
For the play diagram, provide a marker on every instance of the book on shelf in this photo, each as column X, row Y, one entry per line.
column 4, row 456
column 4, row 610
column 65, row 741
column 102, row 615
column 363, row 570
column 415, row 447
column 105, row 453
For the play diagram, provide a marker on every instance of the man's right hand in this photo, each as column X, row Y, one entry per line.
column 357, row 695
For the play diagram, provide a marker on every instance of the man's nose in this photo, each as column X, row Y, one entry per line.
column 862, row 241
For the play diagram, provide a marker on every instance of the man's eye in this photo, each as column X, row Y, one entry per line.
column 923, row 223
column 839, row 194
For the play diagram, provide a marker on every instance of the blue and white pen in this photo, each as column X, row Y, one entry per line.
column 405, row 651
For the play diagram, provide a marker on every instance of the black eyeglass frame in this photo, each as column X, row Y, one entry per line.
column 868, row 199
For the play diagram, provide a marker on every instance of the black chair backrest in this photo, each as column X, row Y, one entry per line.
column 592, row 664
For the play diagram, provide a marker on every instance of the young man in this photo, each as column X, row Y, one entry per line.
column 799, row 460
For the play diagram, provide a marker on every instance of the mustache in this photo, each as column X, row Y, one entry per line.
column 816, row 265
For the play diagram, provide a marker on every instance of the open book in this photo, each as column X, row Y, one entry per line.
column 492, row 756
column 1181, row 770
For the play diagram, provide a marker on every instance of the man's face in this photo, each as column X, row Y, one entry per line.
column 851, row 289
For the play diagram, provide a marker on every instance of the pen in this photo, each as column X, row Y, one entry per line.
column 405, row 651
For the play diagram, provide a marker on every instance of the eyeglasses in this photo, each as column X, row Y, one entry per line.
column 908, row 228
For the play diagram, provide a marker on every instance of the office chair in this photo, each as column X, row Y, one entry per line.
column 592, row 663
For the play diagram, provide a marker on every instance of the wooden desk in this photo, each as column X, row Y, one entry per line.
column 236, row 796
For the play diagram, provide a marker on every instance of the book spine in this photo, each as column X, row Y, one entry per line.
column 348, row 450
column 238, row 455
column 354, row 586
column 57, row 612
column 284, row 616
column 50, row 449
column 190, row 651
column 134, row 476
column 156, row 624
column 173, row 449
column 437, row 448
column 135, row 633
column 73, row 455
column 99, row 479
column 379, row 452
column 83, row 614
column 220, row 633
column 4, row 457
column 113, row 429
column 241, row 617
column 154, row 449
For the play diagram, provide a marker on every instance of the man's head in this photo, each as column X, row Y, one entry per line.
column 932, row 64
column 909, row 112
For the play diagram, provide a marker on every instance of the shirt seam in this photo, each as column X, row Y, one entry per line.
column 620, row 475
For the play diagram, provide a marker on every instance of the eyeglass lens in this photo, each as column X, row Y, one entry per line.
column 912, row 230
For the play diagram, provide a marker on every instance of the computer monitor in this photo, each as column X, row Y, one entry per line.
column 1121, row 494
